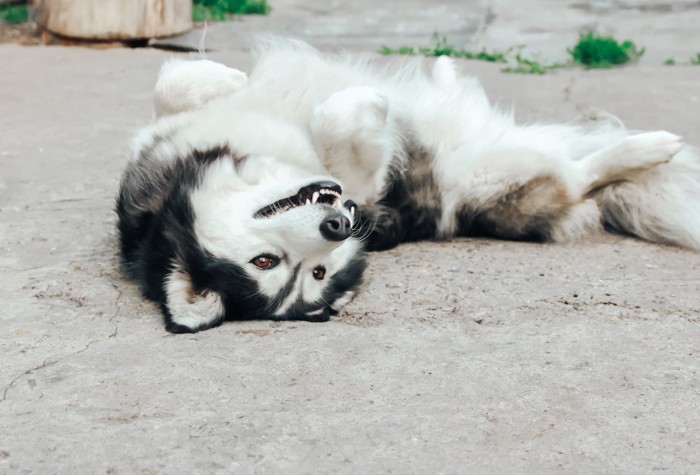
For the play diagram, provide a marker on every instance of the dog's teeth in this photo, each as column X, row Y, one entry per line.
column 307, row 201
column 352, row 211
column 315, row 196
column 323, row 191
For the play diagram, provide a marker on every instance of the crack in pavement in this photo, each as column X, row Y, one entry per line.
column 49, row 364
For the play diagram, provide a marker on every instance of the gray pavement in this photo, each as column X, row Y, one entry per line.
column 471, row 356
column 544, row 28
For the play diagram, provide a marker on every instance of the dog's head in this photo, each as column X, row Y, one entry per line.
column 225, row 247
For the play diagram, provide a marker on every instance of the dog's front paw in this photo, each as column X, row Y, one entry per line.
column 351, row 113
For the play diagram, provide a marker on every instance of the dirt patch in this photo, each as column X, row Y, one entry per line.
column 23, row 34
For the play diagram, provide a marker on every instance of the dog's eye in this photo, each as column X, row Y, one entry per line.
column 319, row 273
column 265, row 261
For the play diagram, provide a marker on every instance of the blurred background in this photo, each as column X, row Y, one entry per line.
column 664, row 32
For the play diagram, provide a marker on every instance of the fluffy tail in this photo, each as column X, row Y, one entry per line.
column 660, row 205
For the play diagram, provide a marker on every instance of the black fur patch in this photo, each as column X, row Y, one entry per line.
column 411, row 206
column 156, row 231
column 212, row 154
column 146, row 184
column 346, row 280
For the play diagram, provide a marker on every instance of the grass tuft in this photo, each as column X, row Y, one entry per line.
column 440, row 47
column 530, row 66
column 219, row 10
column 670, row 62
column 695, row 60
column 591, row 51
column 594, row 51
column 13, row 14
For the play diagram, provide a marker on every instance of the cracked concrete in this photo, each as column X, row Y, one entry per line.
column 462, row 356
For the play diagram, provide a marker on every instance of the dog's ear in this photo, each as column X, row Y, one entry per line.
column 187, row 310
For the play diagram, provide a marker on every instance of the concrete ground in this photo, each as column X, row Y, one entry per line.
column 470, row 356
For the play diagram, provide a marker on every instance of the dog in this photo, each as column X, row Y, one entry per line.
column 256, row 197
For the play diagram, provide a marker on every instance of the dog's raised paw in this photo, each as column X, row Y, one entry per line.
column 651, row 148
column 186, row 85
column 352, row 111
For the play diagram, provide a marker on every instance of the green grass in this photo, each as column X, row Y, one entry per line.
column 219, row 10
column 530, row 66
column 440, row 47
column 695, row 60
column 595, row 51
column 591, row 51
column 13, row 14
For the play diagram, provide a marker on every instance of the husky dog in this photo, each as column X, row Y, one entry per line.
column 256, row 196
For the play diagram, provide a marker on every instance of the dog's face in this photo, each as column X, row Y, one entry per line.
column 257, row 247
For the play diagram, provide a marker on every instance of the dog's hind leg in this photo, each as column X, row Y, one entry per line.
column 185, row 85
column 639, row 185
column 513, row 193
column 356, row 138
column 647, row 185
column 625, row 159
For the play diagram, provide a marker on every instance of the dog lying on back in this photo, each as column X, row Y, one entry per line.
column 255, row 197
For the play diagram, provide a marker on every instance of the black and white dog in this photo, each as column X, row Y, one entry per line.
column 239, row 201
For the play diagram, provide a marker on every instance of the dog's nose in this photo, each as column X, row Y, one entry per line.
column 336, row 228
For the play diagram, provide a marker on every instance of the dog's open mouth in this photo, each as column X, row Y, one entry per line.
column 325, row 192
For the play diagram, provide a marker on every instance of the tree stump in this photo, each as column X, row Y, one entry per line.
column 113, row 19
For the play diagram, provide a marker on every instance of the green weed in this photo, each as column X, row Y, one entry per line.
column 13, row 14
column 440, row 47
column 591, row 51
column 595, row 51
column 695, row 60
column 670, row 62
column 219, row 10
column 530, row 66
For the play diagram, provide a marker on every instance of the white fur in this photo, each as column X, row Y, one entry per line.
column 356, row 139
column 187, row 85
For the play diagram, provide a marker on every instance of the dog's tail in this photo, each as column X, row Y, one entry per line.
column 660, row 205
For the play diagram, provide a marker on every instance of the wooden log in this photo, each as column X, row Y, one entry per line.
column 113, row 19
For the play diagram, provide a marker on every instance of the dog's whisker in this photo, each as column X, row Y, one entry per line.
column 369, row 230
